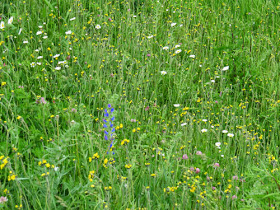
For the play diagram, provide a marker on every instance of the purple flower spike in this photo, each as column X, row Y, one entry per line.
column 106, row 137
column 109, row 106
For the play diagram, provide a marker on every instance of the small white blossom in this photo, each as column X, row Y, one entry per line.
column 178, row 51
column 57, row 68
column 33, row 64
column 165, row 48
column 192, row 56
column 39, row 33
column 74, row 18
column 98, row 26
column 45, row 37
column 10, row 21
column 204, row 130
column 183, row 124
column 68, row 32
column 176, row 105
column 224, row 131
column 149, row 37
column 39, row 57
column 163, row 72
column 225, row 68
column 2, row 25
column 25, row 42
column 173, row 24
column 230, row 135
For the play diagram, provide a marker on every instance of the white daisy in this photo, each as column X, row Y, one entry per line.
column 39, row 57
column 204, row 130
column 74, row 18
column 45, row 37
column 230, row 135
column 25, row 42
column 39, row 33
column 149, row 37
column 173, row 24
column 218, row 144
column 97, row 26
column 33, row 64
column 163, row 72
column 2, row 25
column 178, row 51
column 176, row 105
column 57, row 68
column 165, row 48
column 183, row 124
column 10, row 21
column 225, row 68
column 192, row 56
column 224, row 131
column 176, row 46
column 68, row 32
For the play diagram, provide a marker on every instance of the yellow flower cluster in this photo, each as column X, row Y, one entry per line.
column 4, row 161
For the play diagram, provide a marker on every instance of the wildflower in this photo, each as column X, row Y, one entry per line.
column 176, row 105
column 147, row 108
column 204, row 130
column 197, row 170
column 192, row 56
column 39, row 33
column 218, row 144
column 230, row 135
column 125, row 142
column 33, row 64
column 68, row 32
column 224, row 131
column 176, row 46
column 128, row 166
column 235, row 178
column 57, row 68
column 149, row 55
column 216, row 165
column 3, row 199
column 98, row 27
column 185, row 157
column 173, row 24
column 56, row 168
column 178, row 51
column 2, row 25
column 199, row 153
column 234, row 197
column 183, row 124
column 204, row 120
column 25, row 42
column 225, row 68
column 165, row 48
column 149, row 37
column 10, row 21
column 74, row 18
column 39, row 57
column 153, row 175
column 163, row 72
column 45, row 37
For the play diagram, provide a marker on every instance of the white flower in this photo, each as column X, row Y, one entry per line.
column 230, row 135
column 163, row 72
column 200, row 65
column 213, row 81
column 2, row 25
column 134, row 16
column 74, row 18
column 224, row 131
column 149, row 37
column 183, row 124
column 40, row 26
column 56, row 56
column 222, row 156
column 37, row 50
column 204, row 130
column 176, row 105
column 39, row 63
column 176, row 46
column 33, row 64
column 218, row 144
column 25, row 42
column 45, row 37
column 19, row 31
column 165, row 48
column 212, row 126
column 225, row 68
column 61, row 62
column 97, row 26
column 57, row 68
column 68, row 32
column 56, row 168
column 39, row 57
column 204, row 120
column 39, row 33
column 192, row 56
column 10, row 21
column 66, row 66
column 173, row 24
column 178, row 51
column 181, row 25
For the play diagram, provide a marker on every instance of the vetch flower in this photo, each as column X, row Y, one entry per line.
column 185, row 157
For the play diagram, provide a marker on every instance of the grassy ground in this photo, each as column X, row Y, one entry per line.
column 185, row 92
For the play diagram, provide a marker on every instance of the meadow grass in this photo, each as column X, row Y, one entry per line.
column 194, row 87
